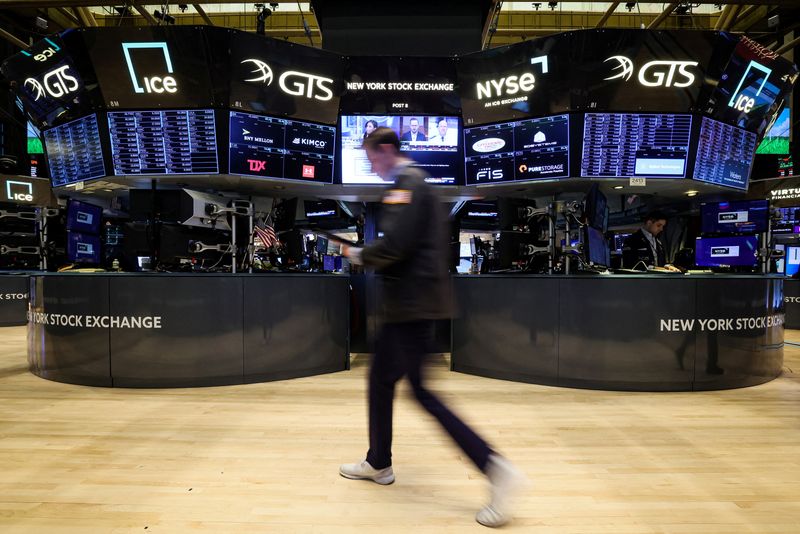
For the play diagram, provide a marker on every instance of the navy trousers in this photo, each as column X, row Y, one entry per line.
column 401, row 350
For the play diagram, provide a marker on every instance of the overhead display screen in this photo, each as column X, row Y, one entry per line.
column 433, row 143
column 743, row 217
column 778, row 135
column 74, row 152
column 621, row 145
column 163, row 142
column 151, row 67
column 724, row 154
column 270, row 147
column 533, row 149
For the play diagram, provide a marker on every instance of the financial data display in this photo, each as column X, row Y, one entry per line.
column 740, row 251
column 742, row 217
column 535, row 149
column 621, row 145
column 724, row 154
column 279, row 148
column 163, row 142
column 74, row 152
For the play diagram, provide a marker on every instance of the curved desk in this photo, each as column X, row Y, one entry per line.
column 13, row 299
column 177, row 330
column 621, row 332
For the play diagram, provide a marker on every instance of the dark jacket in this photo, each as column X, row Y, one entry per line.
column 407, row 136
column 637, row 248
column 412, row 256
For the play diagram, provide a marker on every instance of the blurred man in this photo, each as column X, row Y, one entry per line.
column 412, row 256
column 414, row 135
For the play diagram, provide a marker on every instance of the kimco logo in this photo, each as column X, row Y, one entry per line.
column 19, row 191
column 293, row 82
column 655, row 73
column 56, row 83
column 316, row 143
column 152, row 84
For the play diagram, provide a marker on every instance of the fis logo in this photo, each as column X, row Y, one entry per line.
column 293, row 82
column 19, row 191
column 56, row 83
column 257, row 165
column 316, row 143
column 655, row 73
column 741, row 101
column 152, row 84
column 489, row 174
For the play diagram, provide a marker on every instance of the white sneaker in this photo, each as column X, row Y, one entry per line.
column 364, row 471
column 506, row 482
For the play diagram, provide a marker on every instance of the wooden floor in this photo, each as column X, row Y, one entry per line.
column 264, row 457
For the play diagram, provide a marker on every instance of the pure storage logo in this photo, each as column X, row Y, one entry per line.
column 19, row 191
column 292, row 82
column 164, row 83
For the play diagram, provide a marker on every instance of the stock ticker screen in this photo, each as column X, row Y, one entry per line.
column 535, row 149
column 270, row 147
column 163, row 142
column 74, row 152
column 621, row 145
column 724, row 154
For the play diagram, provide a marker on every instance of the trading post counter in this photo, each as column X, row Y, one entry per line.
column 621, row 332
column 181, row 330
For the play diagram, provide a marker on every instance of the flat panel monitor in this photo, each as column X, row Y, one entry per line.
column 744, row 217
column 724, row 154
column 792, row 260
column 432, row 142
column 320, row 209
column 734, row 251
column 780, row 264
column 597, row 251
column 596, row 209
column 777, row 138
column 83, row 217
column 534, row 149
column 621, row 145
column 619, row 241
column 74, row 152
column 271, row 147
column 163, row 142
column 789, row 222
column 83, row 248
column 479, row 213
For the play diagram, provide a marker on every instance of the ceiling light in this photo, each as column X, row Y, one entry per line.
column 618, row 187
column 691, row 193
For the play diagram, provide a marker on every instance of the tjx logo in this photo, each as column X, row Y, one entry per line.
column 56, row 83
column 14, row 191
column 655, row 73
column 256, row 165
column 293, row 82
column 152, row 84
column 317, row 143
column 741, row 101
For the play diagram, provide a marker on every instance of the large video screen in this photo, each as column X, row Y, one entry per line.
column 724, row 154
column 742, row 217
column 778, row 136
column 739, row 251
column 432, row 142
column 535, row 149
column 74, row 152
column 163, row 142
column 621, row 145
column 270, row 147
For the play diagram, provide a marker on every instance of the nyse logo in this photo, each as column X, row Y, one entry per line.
column 511, row 85
column 316, row 143
column 56, row 83
column 655, row 73
column 741, row 101
column 720, row 251
column 85, row 248
column 293, row 82
column 308, row 171
column 489, row 174
column 19, row 191
column 152, row 84
column 257, row 165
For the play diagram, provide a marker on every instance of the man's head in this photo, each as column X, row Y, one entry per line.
column 655, row 222
column 414, row 123
column 441, row 124
column 383, row 151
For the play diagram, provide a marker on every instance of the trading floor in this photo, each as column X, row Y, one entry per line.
column 264, row 457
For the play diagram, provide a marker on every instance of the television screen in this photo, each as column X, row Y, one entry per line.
column 724, row 154
column 780, row 264
column 792, row 260
column 533, row 149
column 431, row 142
column 789, row 222
column 74, row 152
column 83, row 217
column 163, row 142
column 270, row 147
column 776, row 140
column 34, row 140
column 316, row 209
column 735, row 251
column 744, row 217
column 619, row 241
column 598, row 252
column 621, row 145
column 596, row 209
column 83, row 248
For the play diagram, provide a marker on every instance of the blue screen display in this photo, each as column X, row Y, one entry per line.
column 74, row 152
column 83, row 217
column 746, row 217
column 724, row 154
column 739, row 251
column 83, row 248
column 792, row 260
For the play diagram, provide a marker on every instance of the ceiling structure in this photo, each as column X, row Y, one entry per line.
column 775, row 24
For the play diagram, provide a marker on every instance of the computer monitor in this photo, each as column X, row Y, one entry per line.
column 596, row 209
column 792, row 260
column 328, row 263
column 733, row 251
column 742, row 217
column 512, row 247
column 83, row 217
column 597, row 251
column 83, row 248
column 619, row 241
column 322, row 244
column 780, row 264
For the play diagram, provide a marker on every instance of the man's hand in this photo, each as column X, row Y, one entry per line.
column 353, row 254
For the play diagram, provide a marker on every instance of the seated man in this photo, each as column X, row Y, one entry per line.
column 643, row 248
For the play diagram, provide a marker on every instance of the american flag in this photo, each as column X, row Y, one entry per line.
column 266, row 233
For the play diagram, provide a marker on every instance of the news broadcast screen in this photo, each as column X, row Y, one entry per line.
column 432, row 142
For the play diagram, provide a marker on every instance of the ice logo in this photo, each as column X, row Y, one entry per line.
column 262, row 69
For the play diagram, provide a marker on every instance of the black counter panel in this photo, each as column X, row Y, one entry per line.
column 13, row 299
